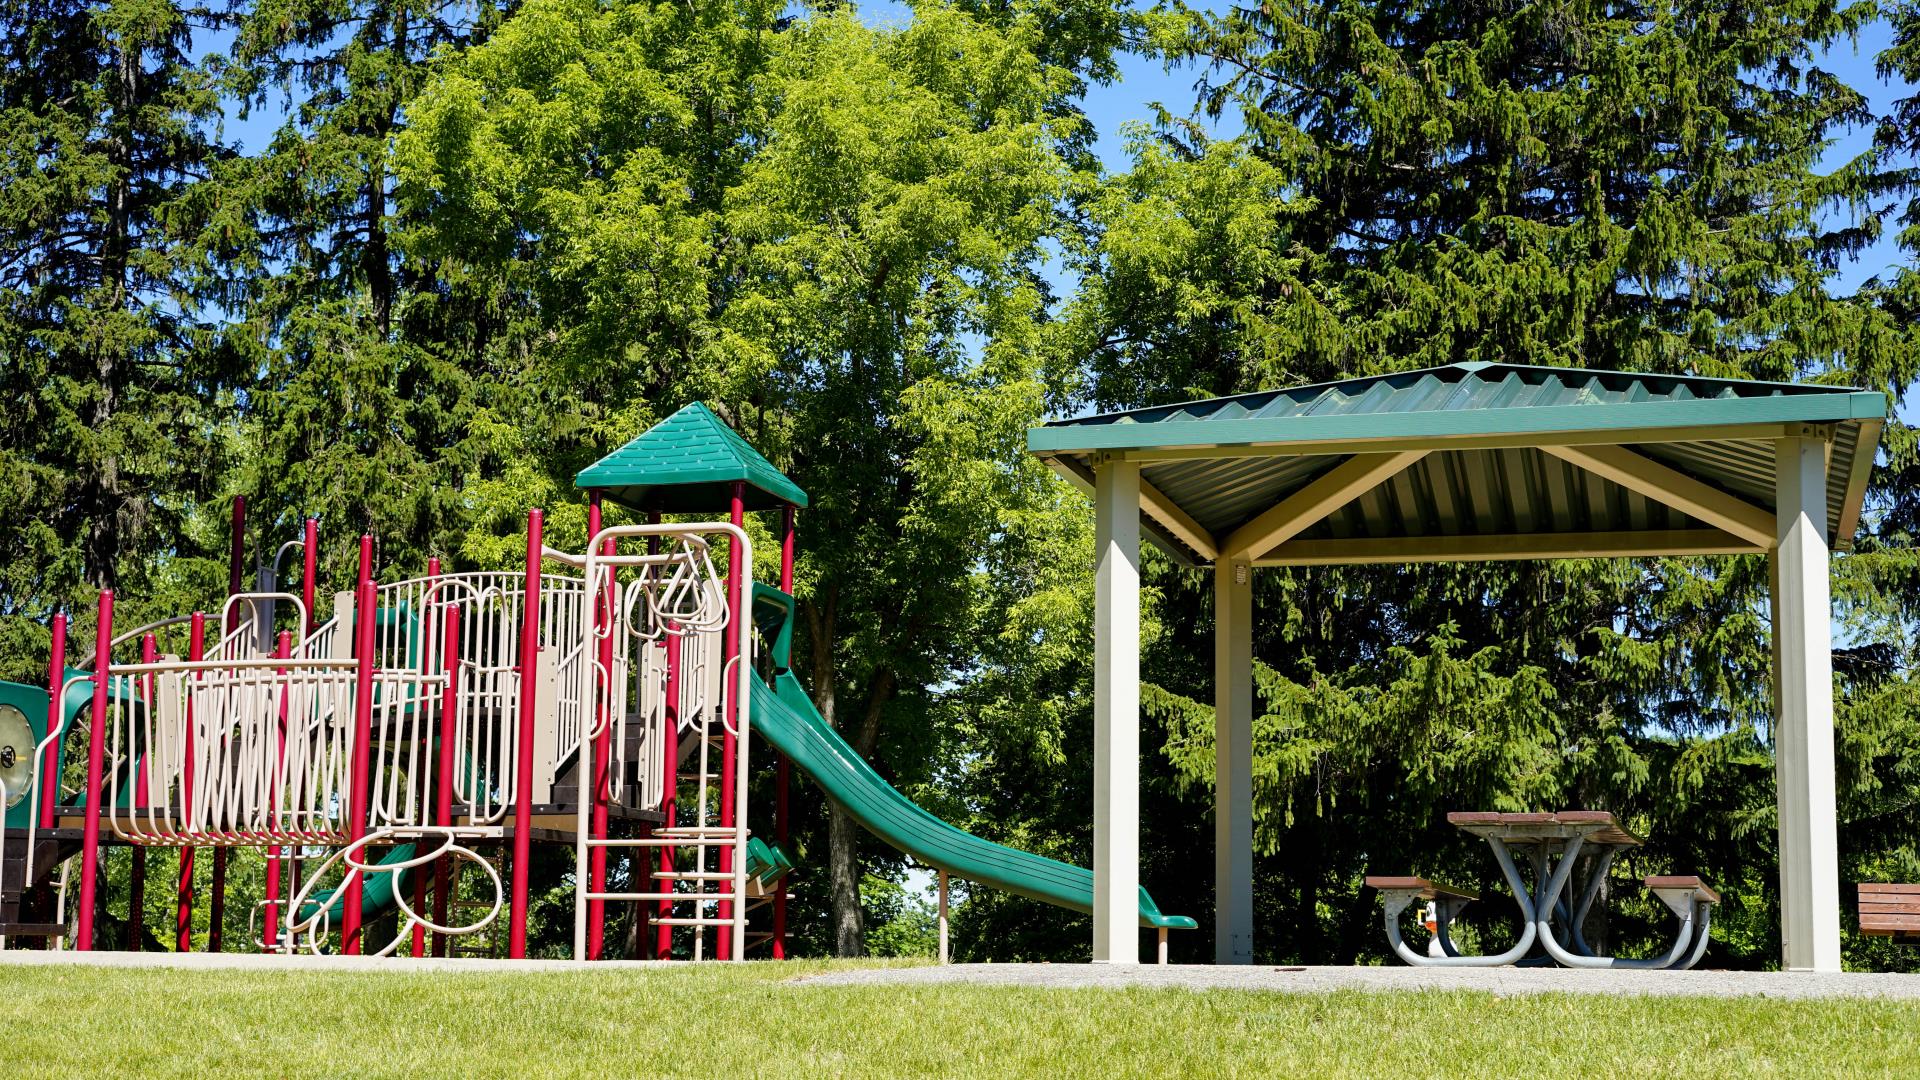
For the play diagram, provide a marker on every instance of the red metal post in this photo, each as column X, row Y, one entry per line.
column 729, row 743
column 56, row 711
column 358, row 793
column 96, row 763
column 782, row 769
column 443, row 809
column 523, row 759
column 602, row 743
column 183, row 925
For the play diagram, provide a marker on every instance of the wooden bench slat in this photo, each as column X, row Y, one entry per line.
column 1881, row 926
column 1683, row 881
column 1881, row 887
column 1429, row 890
column 1609, row 831
column 1891, row 907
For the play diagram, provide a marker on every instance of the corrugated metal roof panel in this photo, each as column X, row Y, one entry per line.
column 1479, row 490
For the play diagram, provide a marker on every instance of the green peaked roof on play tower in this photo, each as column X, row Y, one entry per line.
column 687, row 464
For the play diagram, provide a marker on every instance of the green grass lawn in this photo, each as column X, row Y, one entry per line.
column 728, row 1022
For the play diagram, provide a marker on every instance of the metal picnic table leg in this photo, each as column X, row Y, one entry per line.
column 1396, row 901
column 1596, row 878
column 1570, row 959
column 1703, row 921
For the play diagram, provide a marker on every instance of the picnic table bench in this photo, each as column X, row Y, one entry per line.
column 1553, row 845
column 1399, row 893
column 1890, row 910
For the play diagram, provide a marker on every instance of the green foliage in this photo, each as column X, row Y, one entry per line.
column 490, row 242
column 1574, row 184
column 114, row 400
column 832, row 234
column 899, row 923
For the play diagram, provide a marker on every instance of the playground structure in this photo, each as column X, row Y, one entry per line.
column 437, row 728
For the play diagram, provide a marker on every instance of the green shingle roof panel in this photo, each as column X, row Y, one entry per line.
column 687, row 464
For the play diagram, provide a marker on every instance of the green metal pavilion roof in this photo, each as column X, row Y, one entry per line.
column 1477, row 461
column 687, row 464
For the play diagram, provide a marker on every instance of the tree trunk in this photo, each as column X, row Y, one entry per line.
column 843, row 835
column 843, row 863
column 101, row 547
column 376, row 259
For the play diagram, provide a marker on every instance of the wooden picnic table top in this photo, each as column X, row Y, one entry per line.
column 1597, row 826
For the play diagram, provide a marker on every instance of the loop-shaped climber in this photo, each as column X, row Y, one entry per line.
column 317, row 925
column 682, row 595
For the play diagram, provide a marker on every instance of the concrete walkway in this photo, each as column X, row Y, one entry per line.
column 1305, row 980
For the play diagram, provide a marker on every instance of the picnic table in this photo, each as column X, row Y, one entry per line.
column 1569, row 854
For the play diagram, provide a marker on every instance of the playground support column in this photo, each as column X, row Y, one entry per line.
column 1233, row 762
column 96, row 763
column 1116, row 712
column 1803, row 725
column 601, row 609
column 183, row 925
column 358, row 793
column 729, row 742
column 523, row 757
column 946, row 957
column 443, row 793
column 782, row 770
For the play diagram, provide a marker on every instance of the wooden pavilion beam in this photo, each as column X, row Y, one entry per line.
column 1170, row 517
column 1299, row 511
column 1588, row 545
column 1664, row 484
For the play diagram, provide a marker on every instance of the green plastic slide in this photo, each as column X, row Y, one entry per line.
column 784, row 715
column 376, row 890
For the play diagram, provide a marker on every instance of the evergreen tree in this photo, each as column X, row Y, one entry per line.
column 113, row 392
column 372, row 385
column 1629, row 186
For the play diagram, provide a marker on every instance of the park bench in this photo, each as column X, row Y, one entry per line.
column 1890, row 910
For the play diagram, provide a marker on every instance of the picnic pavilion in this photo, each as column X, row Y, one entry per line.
column 1464, row 463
